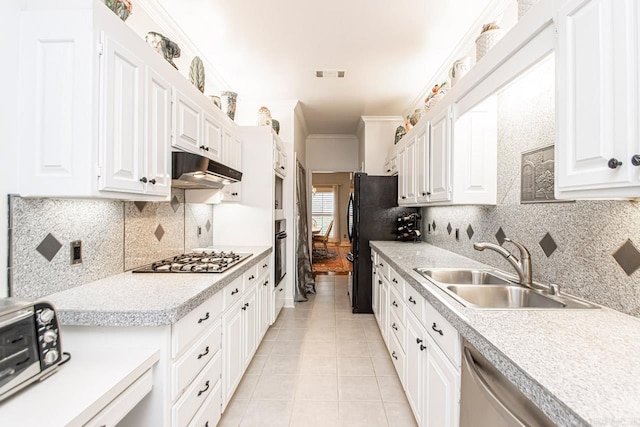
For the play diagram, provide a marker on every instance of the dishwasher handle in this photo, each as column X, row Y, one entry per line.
column 479, row 378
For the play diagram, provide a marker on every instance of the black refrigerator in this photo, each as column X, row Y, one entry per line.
column 372, row 215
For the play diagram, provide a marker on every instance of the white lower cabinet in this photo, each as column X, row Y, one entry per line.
column 232, row 345
column 424, row 349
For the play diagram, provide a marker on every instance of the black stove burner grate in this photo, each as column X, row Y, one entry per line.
column 196, row 262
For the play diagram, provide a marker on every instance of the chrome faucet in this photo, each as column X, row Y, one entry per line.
column 522, row 265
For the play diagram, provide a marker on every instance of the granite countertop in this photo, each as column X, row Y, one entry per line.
column 581, row 367
column 146, row 299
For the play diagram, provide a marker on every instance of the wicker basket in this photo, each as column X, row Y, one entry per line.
column 486, row 41
column 524, row 6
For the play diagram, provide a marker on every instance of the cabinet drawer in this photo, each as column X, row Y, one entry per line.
column 415, row 302
column 192, row 399
column 396, row 281
column 398, row 329
column 445, row 335
column 124, row 403
column 209, row 413
column 195, row 323
column 194, row 359
column 263, row 266
column 251, row 276
column 233, row 292
column 397, row 357
column 396, row 304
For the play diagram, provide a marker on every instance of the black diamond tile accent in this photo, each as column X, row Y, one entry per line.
column 175, row 204
column 49, row 247
column 548, row 245
column 208, row 225
column 433, row 225
column 159, row 232
column 449, row 228
column 500, row 236
column 140, row 205
column 628, row 257
column 470, row 231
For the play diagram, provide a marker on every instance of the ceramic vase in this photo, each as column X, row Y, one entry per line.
column 164, row 46
column 122, row 8
column 486, row 41
column 229, row 99
column 276, row 126
column 216, row 101
column 459, row 69
column 264, row 117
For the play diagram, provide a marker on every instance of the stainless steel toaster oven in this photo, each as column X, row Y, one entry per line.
column 30, row 348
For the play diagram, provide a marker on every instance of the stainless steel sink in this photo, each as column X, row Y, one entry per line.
column 500, row 296
column 464, row 276
column 489, row 289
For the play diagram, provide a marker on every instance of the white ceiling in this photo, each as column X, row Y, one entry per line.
column 390, row 50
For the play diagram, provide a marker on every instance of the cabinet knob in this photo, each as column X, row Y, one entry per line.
column 202, row 147
column 424, row 194
column 143, row 179
column 153, row 181
column 428, row 193
column 234, row 194
column 404, row 197
column 614, row 163
column 282, row 167
column 635, row 160
column 422, row 347
column 418, row 341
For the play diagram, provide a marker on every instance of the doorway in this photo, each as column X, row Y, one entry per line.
column 330, row 193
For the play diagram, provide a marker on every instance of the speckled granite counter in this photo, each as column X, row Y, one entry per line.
column 581, row 367
column 151, row 299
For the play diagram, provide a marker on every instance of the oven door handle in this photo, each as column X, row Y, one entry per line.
column 281, row 235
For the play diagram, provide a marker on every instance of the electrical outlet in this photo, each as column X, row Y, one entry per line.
column 457, row 234
column 76, row 252
column 199, row 231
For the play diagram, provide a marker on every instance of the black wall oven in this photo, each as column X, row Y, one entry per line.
column 280, row 249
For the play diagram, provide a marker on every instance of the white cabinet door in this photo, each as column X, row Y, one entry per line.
column 597, row 103
column 158, row 137
column 121, row 129
column 475, row 139
column 264, row 305
column 187, row 123
column 384, row 309
column 416, row 361
column 406, row 172
column 250, row 323
column 212, row 137
column 233, row 360
column 442, row 396
column 440, row 140
column 423, row 191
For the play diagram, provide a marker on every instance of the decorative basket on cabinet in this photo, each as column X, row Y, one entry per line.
column 486, row 41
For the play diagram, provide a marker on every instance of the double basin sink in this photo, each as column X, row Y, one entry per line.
column 490, row 289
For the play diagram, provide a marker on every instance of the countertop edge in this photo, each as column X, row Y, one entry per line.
column 557, row 410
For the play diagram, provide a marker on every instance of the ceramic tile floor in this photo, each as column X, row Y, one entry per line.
column 321, row 365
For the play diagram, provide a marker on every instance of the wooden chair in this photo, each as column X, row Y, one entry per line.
column 323, row 238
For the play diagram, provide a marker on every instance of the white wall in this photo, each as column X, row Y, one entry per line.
column 332, row 153
column 376, row 137
column 9, row 73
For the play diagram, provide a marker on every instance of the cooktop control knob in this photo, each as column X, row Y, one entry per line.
column 49, row 336
column 51, row 356
column 46, row 315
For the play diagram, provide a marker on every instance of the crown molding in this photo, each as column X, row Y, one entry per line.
column 381, row 118
column 331, row 136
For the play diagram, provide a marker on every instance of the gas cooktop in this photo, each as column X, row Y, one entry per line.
column 196, row 262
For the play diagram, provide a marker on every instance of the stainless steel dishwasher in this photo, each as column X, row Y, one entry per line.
column 489, row 399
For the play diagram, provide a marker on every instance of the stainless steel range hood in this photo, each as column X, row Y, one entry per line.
column 192, row 171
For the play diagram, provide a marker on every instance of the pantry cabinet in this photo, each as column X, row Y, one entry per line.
column 598, row 95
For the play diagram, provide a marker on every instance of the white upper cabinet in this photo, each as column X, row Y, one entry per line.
column 423, row 188
column 100, row 110
column 440, row 173
column 158, row 153
column 474, row 154
column 407, row 172
column 597, row 121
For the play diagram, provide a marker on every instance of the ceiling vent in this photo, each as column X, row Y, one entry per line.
column 339, row 74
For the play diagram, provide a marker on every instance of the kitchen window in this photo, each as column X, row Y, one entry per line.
column 323, row 209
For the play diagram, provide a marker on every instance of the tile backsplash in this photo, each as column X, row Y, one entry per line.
column 116, row 236
column 571, row 243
